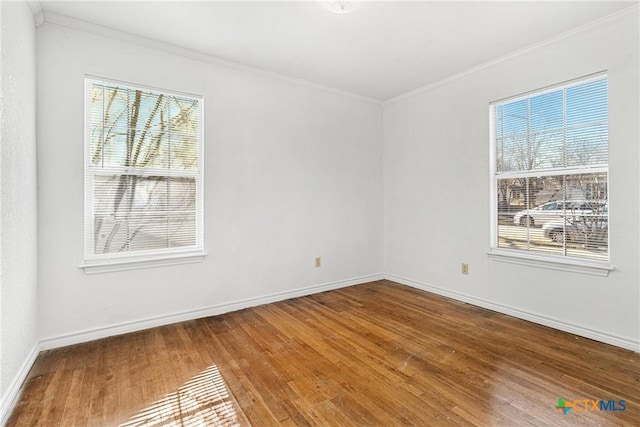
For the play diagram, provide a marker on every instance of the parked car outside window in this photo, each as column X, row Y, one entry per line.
column 590, row 229
column 552, row 211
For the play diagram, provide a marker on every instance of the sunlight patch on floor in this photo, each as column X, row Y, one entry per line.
column 204, row 400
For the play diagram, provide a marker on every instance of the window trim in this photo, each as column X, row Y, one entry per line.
column 538, row 259
column 575, row 265
column 103, row 263
column 134, row 263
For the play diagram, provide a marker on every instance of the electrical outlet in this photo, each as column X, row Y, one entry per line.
column 318, row 261
column 465, row 268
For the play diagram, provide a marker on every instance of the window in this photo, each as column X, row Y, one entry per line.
column 549, row 173
column 143, row 174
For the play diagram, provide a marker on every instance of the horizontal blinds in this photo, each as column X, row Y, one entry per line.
column 563, row 128
column 551, row 171
column 143, row 171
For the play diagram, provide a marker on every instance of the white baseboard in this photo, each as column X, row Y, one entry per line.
column 520, row 314
column 10, row 397
column 138, row 325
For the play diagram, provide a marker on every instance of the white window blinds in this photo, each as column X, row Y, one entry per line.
column 550, row 171
column 143, row 171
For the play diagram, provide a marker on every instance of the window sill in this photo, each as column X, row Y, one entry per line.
column 571, row 264
column 123, row 264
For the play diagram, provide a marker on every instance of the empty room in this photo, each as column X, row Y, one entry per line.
column 320, row 213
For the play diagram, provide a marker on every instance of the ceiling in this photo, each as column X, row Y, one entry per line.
column 380, row 49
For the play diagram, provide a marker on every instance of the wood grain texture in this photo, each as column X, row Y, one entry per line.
column 378, row 354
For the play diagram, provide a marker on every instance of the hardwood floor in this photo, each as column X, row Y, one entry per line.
column 378, row 354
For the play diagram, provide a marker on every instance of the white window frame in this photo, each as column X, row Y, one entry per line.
column 103, row 263
column 516, row 256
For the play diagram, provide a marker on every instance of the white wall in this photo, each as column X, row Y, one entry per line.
column 18, row 210
column 437, row 187
column 294, row 172
column 291, row 172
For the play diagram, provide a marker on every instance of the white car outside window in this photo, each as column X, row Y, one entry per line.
column 550, row 211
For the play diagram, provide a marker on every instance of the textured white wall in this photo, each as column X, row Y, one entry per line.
column 291, row 172
column 437, row 185
column 18, row 210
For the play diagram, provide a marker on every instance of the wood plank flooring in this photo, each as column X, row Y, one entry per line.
column 378, row 354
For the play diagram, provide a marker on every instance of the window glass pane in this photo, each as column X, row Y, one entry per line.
column 96, row 145
column 182, row 195
column 587, row 123
column 512, row 153
column 115, row 106
column 561, row 215
column 590, row 188
column 515, row 118
column 183, row 230
column 579, row 236
column 121, row 107
column 546, row 111
column 547, row 143
column 588, row 145
column 150, row 150
column 150, row 144
column 511, row 124
column 127, row 209
column 142, row 213
column 511, row 193
column 184, row 152
column 184, row 115
column 547, row 149
column 114, row 149
column 587, row 104
column 152, row 108
column 143, row 129
column 562, row 128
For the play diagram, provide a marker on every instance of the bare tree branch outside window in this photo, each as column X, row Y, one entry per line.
column 551, row 171
column 144, row 159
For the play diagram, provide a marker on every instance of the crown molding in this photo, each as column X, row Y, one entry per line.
column 42, row 17
column 38, row 12
column 80, row 25
column 585, row 27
